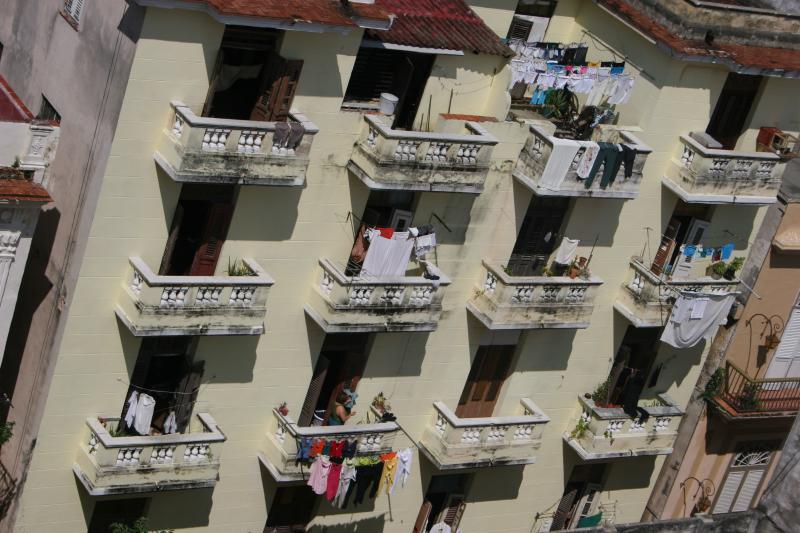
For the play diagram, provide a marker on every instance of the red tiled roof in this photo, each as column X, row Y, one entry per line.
column 746, row 57
column 14, row 187
column 443, row 24
column 327, row 12
column 12, row 109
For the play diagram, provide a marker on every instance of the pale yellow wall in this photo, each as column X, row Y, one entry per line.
column 287, row 229
column 497, row 14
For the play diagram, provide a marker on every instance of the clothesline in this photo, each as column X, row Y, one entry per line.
column 145, row 389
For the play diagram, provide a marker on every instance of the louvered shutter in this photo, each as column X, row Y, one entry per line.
column 786, row 361
column 666, row 247
column 563, row 510
column 422, row 517
column 205, row 260
column 74, row 8
column 748, row 490
column 728, row 492
column 314, row 390
column 188, row 390
column 520, row 29
column 453, row 513
column 279, row 87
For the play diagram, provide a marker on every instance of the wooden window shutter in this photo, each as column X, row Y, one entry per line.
column 666, row 247
column 205, row 261
column 728, row 492
column 454, row 512
column 280, row 84
column 187, row 395
column 314, row 390
column 422, row 517
column 520, row 29
column 563, row 509
column 748, row 490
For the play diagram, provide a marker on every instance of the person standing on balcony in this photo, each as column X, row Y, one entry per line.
column 342, row 410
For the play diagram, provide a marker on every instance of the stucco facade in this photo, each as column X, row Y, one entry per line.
column 289, row 231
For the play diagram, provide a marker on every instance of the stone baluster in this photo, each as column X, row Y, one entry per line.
column 250, row 142
column 215, row 139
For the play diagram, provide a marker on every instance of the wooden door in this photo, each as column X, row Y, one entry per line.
column 420, row 524
column 538, row 236
column 216, row 230
column 186, row 394
column 564, row 508
column 742, row 480
column 489, row 371
column 664, row 252
column 454, row 512
column 694, row 236
column 279, row 84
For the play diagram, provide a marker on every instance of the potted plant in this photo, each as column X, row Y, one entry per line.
column 238, row 268
column 734, row 266
column 283, row 409
column 717, row 270
column 578, row 267
column 6, row 432
column 600, row 394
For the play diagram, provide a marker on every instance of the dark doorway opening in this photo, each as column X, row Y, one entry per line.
column 291, row 510
column 579, row 503
column 199, row 228
column 445, row 501
column 733, row 107
column 632, row 366
column 538, row 236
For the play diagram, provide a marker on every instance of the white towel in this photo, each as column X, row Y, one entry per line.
column 558, row 164
column 567, row 251
column 387, row 257
column 682, row 331
column 144, row 414
column 130, row 415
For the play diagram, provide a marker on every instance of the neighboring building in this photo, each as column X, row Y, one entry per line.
column 67, row 62
column 754, row 395
column 224, row 279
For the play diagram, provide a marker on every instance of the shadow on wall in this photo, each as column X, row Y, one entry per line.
column 374, row 524
column 495, row 484
column 272, row 214
column 455, row 209
column 170, row 193
column 591, row 219
column 396, row 355
column 545, row 349
column 228, row 359
column 177, row 510
column 522, row 199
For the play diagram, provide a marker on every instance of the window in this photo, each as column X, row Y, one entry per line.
column 73, row 8
column 745, row 474
column 536, row 8
column 48, row 112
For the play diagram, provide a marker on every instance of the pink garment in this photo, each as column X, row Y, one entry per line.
column 320, row 470
column 333, row 481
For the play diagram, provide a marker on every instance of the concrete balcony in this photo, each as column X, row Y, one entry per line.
column 451, row 442
column 153, row 305
column 536, row 157
column 608, row 433
column 109, row 465
column 341, row 303
column 703, row 175
column 422, row 161
column 279, row 451
column 215, row 150
column 518, row 302
column 646, row 299
column 741, row 397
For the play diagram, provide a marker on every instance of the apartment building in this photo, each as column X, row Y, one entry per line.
column 751, row 398
column 62, row 79
column 227, row 291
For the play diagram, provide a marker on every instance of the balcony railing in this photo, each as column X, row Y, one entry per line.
column 536, row 157
column 703, row 175
column 341, row 303
column 153, row 305
column 742, row 396
column 452, row 442
column 607, row 432
column 108, row 465
column 422, row 161
column 646, row 299
column 218, row 150
column 279, row 452
column 527, row 302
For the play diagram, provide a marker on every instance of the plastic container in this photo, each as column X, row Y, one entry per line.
column 388, row 103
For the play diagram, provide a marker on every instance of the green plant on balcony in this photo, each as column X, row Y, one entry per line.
column 734, row 266
column 561, row 106
column 748, row 398
column 238, row 268
column 6, row 432
column 600, row 394
column 714, row 384
column 580, row 428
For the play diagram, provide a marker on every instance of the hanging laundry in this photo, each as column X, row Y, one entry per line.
column 727, row 251
column 346, row 478
column 334, row 474
column 144, row 414
column 171, row 424
column 389, row 472
column 559, row 163
column 440, row 527
column 683, row 330
column 586, row 162
column 424, row 245
column 404, row 459
column 130, row 415
column 689, row 250
column 387, row 257
column 318, row 477
column 567, row 251
column 367, row 479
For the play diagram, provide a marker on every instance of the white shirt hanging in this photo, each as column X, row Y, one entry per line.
column 130, row 415
column 171, row 424
column 144, row 414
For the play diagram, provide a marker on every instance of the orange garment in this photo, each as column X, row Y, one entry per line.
column 389, row 472
column 316, row 448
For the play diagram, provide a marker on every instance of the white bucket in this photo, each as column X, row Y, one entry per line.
column 388, row 103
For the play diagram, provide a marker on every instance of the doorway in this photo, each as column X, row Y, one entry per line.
column 538, row 236
column 339, row 367
column 687, row 227
column 291, row 510
column 403, row 74
column 250, row 80
column 199, row 228
column 579, row 504
column 165, row 370
column 490, row 369
column 445, row 502
column 632, row 366
column 733, row 107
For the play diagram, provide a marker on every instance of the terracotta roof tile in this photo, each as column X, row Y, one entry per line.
column 327, row 12
column 738, row 56
column 14, row 187
column 443, row 24
column 12, row 109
